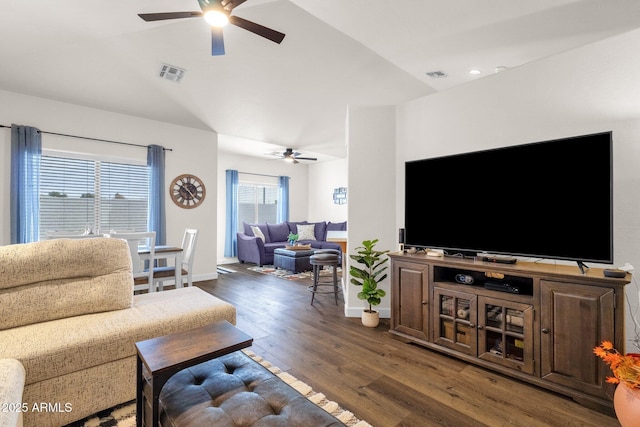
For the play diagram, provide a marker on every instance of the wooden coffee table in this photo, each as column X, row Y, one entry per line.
column 159, row 358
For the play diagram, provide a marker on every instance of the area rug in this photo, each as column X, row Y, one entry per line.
column 290, row 275
column 125, row 415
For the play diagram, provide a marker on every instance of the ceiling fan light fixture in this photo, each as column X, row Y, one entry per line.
column 216, row 16
column 218, row 13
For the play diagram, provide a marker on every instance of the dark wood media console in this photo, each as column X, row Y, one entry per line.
column 533, row 321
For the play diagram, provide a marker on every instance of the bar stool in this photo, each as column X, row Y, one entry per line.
column 322, row 258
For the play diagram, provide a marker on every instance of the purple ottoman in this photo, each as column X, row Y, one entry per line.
column 296, row 261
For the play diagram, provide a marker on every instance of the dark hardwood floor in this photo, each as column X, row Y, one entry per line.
column 378, row 377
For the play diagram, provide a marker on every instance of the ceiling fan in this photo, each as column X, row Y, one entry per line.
column 217, row 13
column 291, row 156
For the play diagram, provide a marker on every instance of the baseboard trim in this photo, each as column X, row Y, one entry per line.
column 194, row 279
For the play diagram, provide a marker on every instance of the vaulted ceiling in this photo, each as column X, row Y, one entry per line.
column 336, row 53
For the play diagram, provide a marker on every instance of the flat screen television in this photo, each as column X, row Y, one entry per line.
column 551, row 199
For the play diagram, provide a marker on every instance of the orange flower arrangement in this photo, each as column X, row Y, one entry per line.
column 626, row 369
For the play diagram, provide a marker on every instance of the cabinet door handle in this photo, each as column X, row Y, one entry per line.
column 424, row 303
column 480, row 326
column 472, row 325
column 545, row 331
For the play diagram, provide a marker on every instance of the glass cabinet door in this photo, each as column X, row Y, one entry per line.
column 455, row 317
column 505, row 333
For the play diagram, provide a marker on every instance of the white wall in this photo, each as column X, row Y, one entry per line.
column 590, row 89
column 194, row 151
column 371, row 147
column 324, row 177
column 298, row 187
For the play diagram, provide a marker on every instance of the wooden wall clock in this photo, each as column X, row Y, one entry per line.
column 187, row 191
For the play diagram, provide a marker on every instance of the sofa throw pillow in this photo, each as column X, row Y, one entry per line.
column 293, row 226
column 278, row 232
column 257, row 232
column 337, row 226
column 306, row 232
column 247, row 228
column 321, row 231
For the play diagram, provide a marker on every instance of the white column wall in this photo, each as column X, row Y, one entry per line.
column 371, row 134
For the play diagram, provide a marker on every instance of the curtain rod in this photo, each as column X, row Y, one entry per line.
column 259, row 174
column 92, row 139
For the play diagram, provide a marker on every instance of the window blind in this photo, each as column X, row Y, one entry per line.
column 76, row 194
column 257, row 203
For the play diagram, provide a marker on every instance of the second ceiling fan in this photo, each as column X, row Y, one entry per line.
column 217, row 13
column 291, row 156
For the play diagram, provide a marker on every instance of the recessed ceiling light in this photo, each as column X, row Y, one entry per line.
column 500, row 68
column 475, row 72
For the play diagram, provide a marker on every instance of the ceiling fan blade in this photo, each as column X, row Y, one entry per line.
column 217, row 41
column 306, row 158
column 231, row 4
column 267, row 33
column 168, row 15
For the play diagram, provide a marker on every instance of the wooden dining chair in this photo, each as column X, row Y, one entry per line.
column 142, row 273
column 162, row 274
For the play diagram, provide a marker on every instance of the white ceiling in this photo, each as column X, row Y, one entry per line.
column 336, row 53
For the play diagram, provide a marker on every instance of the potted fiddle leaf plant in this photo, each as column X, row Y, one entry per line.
column 292, row 239
column 373, row 271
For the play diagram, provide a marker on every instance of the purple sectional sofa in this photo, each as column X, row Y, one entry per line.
column 254, row 249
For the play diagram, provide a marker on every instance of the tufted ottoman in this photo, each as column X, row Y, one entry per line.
column 292, row 260
column 234, row 390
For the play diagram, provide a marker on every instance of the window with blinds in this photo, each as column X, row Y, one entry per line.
column 257, row 203
column 80, row 194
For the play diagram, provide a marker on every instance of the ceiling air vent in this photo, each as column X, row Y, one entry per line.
column 170, row 72
column 436, row 74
